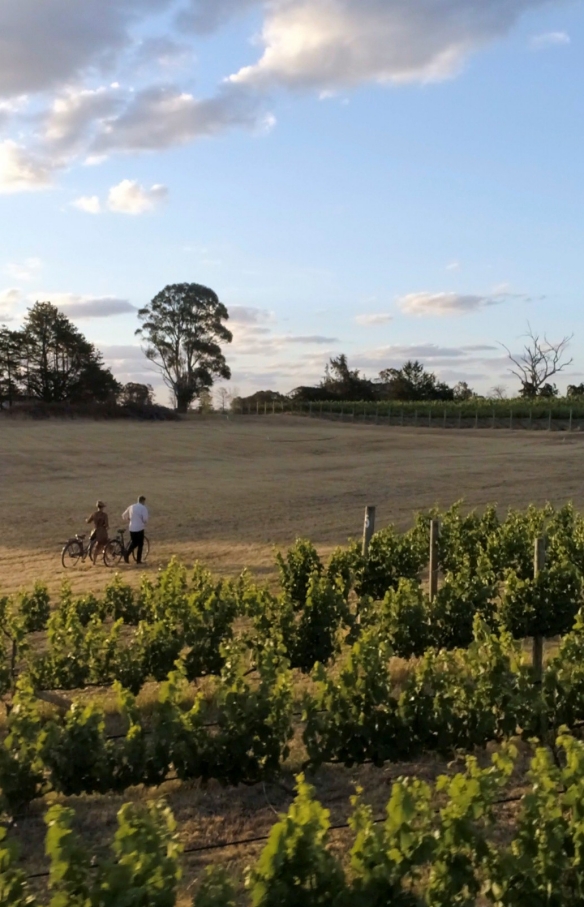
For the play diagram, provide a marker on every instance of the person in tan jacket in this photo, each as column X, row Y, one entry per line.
column 100, row 520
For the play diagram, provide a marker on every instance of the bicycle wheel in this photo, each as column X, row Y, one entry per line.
column 71, row 554
column 145, row 549
column 113, row 553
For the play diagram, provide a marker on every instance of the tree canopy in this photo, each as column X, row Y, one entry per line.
column 50, row 360
column 183, row 330
column 410, row 382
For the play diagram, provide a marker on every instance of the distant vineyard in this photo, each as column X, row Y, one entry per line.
column 560, row 414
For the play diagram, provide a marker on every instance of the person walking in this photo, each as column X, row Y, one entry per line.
column 100, row 520
column 137, row 516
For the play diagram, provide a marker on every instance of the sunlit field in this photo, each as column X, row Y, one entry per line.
column 226, row 491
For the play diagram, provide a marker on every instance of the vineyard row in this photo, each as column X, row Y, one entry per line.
column 438, row 845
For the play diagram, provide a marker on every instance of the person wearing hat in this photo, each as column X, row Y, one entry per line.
column 100, row 520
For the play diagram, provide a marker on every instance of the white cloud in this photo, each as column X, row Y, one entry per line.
column 439, row 304
column 21, row 171
column 550, row 39
column 9, row 299
column 327, row 44
column 375, row 318
column 453, row 266
column 76, row 114
column 129, row 197
column 24, row 270
column 88, row 203
column 76, row 306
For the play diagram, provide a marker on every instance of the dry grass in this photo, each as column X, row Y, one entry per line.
column 225, row 492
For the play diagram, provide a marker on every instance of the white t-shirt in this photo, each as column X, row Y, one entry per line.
column 137, row 514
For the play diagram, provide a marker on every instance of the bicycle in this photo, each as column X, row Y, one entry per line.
column 76, row 549
column 116, row 549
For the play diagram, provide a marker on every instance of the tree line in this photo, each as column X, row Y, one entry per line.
column 50, row 361
column 184, row 332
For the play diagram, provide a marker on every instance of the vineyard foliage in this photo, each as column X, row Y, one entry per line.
column 340, row 623
column 437, row 845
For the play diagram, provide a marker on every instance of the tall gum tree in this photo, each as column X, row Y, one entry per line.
column 183, row 330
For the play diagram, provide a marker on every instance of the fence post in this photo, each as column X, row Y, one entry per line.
column 265, row 408
column 494, row 411
column 477, row 419
column 368, row 528
column 415, row 418
column 538, row 641
column 433, row 572
column 429, row 418
column 550, row 421
column 511, row 420
column 459, row 417
column 570, row 426
column 310, row 409
column 444, row 419
column 402, row 416
column 531, row 416
column 389, row 415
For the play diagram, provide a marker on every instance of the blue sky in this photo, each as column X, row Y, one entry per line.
column 385, row 178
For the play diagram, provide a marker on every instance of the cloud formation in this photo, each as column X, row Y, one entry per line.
column 205, row 16
column 161, row 117
column 81, row 307
column 9, row 299
column 24, row 270
column 90, row 204
column 44, row 45
column 444, row 304
column 340, row 43
column 374, row 319
column 129, row 197
column 21, row 171
column 550, row 39
column 248, row 315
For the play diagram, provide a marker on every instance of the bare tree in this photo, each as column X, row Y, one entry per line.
column 223, row 395
column 498, row 392
column 540, row 360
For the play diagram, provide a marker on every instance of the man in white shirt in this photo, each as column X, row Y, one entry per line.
column 137, row 515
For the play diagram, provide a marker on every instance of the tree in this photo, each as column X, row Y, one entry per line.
column 344, row 383
column 498, row 392
column 136, row 394
column 57, row 362
column 413, row 382
column 539, row 361
column 10, row 365
column 575, row 390
column 223, row 398
column 462, row 391
column 183, row 328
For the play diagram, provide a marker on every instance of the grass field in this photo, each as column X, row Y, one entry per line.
column 225, row 491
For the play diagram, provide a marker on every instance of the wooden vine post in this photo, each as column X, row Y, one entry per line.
column 433, row 571
column 538, row 566
column 368, row 528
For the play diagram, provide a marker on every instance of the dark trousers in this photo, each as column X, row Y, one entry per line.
column 138, row 544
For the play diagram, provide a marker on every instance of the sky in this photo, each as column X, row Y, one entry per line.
column 390, row 179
